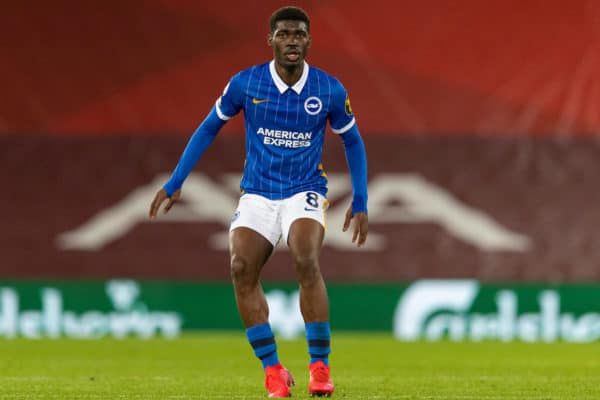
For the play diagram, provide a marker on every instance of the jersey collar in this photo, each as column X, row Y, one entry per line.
column 282, row 86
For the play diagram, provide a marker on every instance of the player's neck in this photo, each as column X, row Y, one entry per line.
column 289, row 75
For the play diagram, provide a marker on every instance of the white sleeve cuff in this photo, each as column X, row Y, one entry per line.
column 219, row 112
column 343, row 129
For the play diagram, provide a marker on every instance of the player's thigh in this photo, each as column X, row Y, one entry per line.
column 249, row 251
column 305, row 239
column 303, row 222
column 254, row 230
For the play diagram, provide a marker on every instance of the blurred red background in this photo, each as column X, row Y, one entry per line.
column 429, row 67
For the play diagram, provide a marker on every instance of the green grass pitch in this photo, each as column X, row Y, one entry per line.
column 364, row 366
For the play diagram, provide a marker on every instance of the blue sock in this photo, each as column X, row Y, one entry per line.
column 319, row 337
column 262, row 341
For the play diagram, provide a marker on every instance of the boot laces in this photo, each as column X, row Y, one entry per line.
column 320, row 374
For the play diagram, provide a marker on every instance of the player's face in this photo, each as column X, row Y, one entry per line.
column 290, row 42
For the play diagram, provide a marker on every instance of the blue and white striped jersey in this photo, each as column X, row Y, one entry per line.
column 285, row 127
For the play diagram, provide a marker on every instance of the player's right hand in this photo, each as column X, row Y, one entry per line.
column 160, row 196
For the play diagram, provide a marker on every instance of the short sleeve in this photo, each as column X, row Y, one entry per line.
column 341, row 117
column 230, row 102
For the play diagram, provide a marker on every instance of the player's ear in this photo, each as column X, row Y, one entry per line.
column 270, row 39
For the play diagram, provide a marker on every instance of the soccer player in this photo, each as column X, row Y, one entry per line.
column 286, row 105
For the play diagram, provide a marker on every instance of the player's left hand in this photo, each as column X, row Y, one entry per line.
column 160, row 196
column 361, row 226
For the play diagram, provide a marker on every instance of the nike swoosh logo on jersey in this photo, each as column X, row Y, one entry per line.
column 309, row 209
column 257, row 101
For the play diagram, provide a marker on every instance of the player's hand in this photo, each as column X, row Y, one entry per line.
column 361, row 226
column 161, row 195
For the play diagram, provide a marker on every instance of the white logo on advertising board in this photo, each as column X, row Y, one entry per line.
column 131, row 316
column 284, row 313
column 435, row 309
column 425, row 297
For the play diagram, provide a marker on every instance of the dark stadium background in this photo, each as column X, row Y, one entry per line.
column 490, row 110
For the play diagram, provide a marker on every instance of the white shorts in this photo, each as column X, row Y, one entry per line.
column 273, row 218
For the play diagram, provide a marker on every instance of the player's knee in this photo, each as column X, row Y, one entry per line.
column 307, row 268
column 242, row 271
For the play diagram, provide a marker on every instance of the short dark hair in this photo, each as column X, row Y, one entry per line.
column 289, row 13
